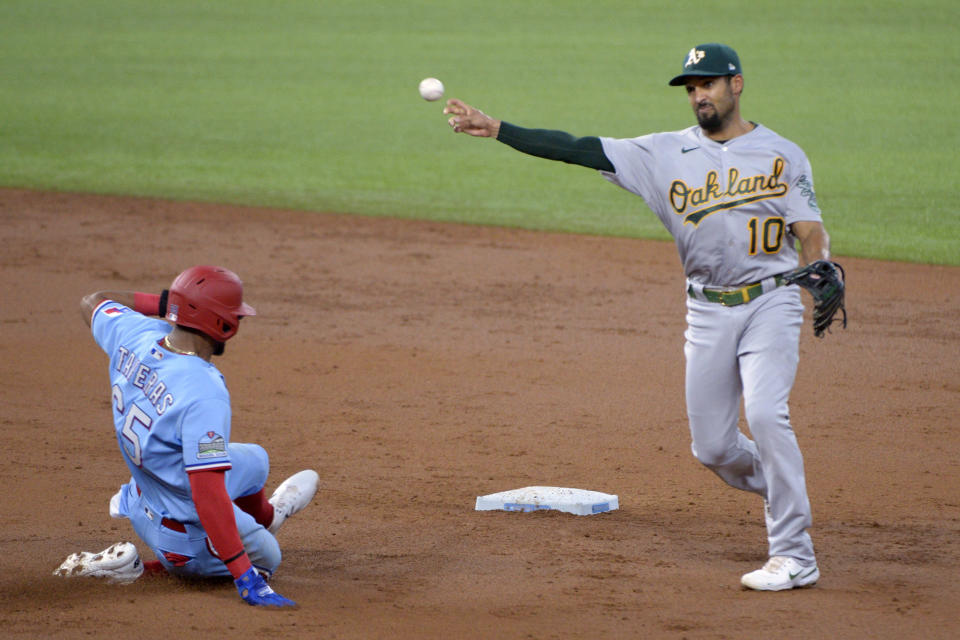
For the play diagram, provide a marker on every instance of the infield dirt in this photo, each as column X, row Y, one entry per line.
column 417, row 365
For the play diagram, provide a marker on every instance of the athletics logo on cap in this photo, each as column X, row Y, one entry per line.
column 694, row 57
column 710, row 59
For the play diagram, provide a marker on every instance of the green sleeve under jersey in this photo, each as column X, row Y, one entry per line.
column 556, row 145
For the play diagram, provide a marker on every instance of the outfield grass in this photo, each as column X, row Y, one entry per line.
column 313, row 105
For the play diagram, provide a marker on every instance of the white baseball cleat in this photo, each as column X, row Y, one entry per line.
column 292, row 496
column 781, row 572
column 119, row 563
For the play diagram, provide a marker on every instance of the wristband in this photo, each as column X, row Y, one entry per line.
column 146, row 303
column 238, row 564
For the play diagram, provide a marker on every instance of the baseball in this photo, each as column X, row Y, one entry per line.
column 431, row 89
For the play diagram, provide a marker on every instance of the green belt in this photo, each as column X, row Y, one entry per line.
column 737, row 296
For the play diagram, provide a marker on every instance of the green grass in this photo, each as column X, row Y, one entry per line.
column 313, row 105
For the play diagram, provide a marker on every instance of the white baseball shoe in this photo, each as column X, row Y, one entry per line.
column 118, row 563
column 292, row 496
column 781, row 572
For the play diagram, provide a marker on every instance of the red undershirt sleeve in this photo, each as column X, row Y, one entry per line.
column 215, row 509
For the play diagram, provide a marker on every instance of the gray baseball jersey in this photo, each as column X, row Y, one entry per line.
column 729, row 206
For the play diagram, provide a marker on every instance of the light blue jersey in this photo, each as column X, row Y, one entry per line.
column 171, row 411
column 172, row 417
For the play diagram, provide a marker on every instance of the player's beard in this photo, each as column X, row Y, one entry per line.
column 716, row 114
column 710, row 119
column 219, row 347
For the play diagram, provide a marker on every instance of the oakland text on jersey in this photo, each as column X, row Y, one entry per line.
column 703, row 200
column 144, row 378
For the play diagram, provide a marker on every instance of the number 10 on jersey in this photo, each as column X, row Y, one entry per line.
column 768, row 234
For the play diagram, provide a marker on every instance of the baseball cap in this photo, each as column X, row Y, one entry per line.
column 711, row 59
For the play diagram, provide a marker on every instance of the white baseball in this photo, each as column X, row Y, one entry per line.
column 431, row 89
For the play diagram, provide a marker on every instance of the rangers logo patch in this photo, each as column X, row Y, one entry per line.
column 212, row 446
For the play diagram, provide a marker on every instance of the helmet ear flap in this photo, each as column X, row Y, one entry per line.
column 210, row 300
column 226, row 329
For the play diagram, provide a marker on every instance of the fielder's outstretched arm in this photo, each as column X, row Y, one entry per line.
column 542, row 143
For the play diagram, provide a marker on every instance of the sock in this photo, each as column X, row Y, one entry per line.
column 153, row 567
column 256, row 504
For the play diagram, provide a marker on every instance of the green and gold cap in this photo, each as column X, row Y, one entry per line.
column 712, row 59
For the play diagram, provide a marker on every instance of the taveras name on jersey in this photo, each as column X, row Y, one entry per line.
column 144, row 378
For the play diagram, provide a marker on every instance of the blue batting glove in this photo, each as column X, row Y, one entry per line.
column 255, row 591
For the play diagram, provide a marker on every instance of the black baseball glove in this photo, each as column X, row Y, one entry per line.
column 824, row 280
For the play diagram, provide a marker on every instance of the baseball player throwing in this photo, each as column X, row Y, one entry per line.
column 735, row 196
column 195, row 498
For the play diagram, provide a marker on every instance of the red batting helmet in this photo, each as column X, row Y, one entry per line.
column 208, row 299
